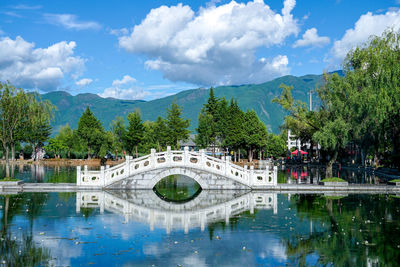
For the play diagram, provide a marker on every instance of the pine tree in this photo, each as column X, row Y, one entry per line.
column 90, row 131
column 255, row 133
column 177, row 126
column 207, row 130
column 162, row 133
column 235, row 128
column 135, row 131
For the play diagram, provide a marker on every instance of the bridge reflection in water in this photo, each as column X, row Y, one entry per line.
column 145, row 206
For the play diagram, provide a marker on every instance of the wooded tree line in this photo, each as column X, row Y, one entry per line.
column 359, row 109
column 223, row 124
column 134, row 137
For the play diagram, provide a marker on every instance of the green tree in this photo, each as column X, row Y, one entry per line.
column 66, row 137
column 255, row 133
column 55, row 145
column 161, row 131
column 37, row 128
column 234, row 130
column 118, row 130
column 134, row 133
column 150, row 139
column 204, row 135
column 207, row 131
column 90, row 132
column 275, row 146
column 12, row 113
column 177, row 126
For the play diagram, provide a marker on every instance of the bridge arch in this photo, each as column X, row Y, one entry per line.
column 178, row 171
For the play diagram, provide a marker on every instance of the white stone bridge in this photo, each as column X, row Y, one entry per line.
column 146, row 207
column 145, row 172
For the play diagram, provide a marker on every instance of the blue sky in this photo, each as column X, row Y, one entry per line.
column 151, row 49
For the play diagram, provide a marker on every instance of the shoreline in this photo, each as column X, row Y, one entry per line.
column 63, row 162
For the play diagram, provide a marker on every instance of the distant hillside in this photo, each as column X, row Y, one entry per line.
column 251, row 96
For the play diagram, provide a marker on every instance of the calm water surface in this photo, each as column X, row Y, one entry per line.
column 213, row 228
column 289, row 174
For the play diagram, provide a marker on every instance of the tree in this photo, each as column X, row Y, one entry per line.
column 235, row 131
column 37, row 128
column 135, row 131
column 118, row 131
column 66, row 137
column 204, row 135
column 372, row 73
column 207, row 131
column 176, row 126
column 328, row 126
column 255, row 133
column 90, row 132
column 275, row 145
column 56, row 145
column 161, row 131
column 12, row 111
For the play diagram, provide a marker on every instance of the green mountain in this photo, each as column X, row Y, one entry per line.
column 250, row 96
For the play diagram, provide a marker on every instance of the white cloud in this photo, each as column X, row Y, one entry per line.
column 119, row 32
column 27, row 7
column 123, row 89
column 311, row 38
column 71, row 22
column 130, row 93
column 38, row 68
column 125, row 80
column 217, row 45
column 367, row 25
column 84, row 82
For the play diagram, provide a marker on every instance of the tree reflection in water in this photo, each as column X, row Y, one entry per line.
column 21, row 249
column 177, row 188
column 358, row 230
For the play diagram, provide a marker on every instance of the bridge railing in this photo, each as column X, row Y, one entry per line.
column 177, row 158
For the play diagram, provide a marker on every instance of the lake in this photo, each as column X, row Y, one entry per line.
column 178, row 224
column 289, row 174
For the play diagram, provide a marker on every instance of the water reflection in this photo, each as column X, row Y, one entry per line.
column 147, row 207
column 232, row 228
column 177, row 188
column 36, row 173
column 303, row 174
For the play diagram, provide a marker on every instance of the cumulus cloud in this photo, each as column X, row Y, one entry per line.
column 125, row 89
column 71, row 22
column 311, row 38
column 215, row 46
column 38, row 68
column 84, row 82
column 125, row 80
column 367, row 25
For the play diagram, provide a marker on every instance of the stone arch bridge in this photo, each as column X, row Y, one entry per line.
column 145, row 172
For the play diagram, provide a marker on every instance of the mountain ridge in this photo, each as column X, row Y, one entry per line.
column 249, row 96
